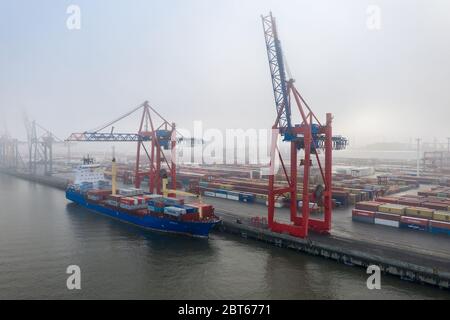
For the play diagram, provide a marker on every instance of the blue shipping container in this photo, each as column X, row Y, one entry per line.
column 246, row 197
column 342, row 200
column 413, row 226
column 155, row 209
column 221, row 191
column 439, row 230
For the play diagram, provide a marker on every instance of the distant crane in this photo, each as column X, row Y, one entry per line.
column 155, row 131
column 40, row 147
column 310, row 135
column 9, row 152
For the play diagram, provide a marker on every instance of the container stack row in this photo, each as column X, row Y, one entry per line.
column 402, row 216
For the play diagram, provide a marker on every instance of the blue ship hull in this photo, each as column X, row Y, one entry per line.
column 196, row 229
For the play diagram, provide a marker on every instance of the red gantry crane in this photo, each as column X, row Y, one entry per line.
column 155, row 134
column 310, row 135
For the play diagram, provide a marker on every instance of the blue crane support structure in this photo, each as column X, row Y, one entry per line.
column 310, row 135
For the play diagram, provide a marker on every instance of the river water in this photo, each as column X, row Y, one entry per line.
column 41, row 234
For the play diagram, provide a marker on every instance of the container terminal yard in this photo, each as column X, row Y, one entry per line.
column 309, row 196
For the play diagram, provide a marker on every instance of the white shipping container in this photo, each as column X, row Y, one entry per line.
column 221, row 195
column 389, row 223
column 209, row 194
column 232, row 197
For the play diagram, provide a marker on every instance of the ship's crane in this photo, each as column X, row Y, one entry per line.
column 156, row 132
column 310, row 135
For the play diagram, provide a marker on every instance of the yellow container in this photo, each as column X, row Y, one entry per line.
column 392, row 208
column 420, row 212
column 441, row 215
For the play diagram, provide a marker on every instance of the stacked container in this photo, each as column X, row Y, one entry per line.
column 363, row 216
column 172, row 201
column 113, row 200
column 387, row 219
column 130, row 192
column 414, row 223
column 156, row 205
column 440, row 227
column 174, row 211
column 401, row 216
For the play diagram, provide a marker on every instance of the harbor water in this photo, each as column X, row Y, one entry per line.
column 41, row 234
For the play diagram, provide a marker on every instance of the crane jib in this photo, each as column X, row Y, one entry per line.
column 283, row 82
column 278, row 74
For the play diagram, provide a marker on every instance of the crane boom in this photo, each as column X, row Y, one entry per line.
column 278, row 74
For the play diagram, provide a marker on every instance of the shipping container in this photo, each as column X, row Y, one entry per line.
column 172, row 201
column 190, row 209
column 441, row 215
column 420, row 212
column 206, row 209
column 209, row 193
column 387, row 199
column 440, row 224
column 246, row 197
column 435, row 206
column 233, row 196
column 368, row 205
column 363, row 216
column 389, row 223
column 221, row 194
column 156, row 209
column 409, row 202
column 414, row 223
column 387, row 216
column 392, row 208
column 439, row 227
column 174, row 211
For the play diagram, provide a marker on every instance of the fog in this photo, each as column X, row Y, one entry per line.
column 206, row 60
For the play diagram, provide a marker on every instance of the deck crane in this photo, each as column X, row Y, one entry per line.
column 310, row 135
column 155, row 131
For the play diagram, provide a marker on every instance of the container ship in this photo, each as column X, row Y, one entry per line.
column 133, row 205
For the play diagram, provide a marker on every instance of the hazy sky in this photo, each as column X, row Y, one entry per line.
column 206, row 60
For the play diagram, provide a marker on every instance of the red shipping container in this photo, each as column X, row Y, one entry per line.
column 417, row 221
column 363, row 213
column 207, row 209
column 387, row 199
column 140, row 200
column 436, row 206
column 129, row 201
column 409, row 202
column 387, row 216
column 440, row 224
